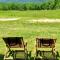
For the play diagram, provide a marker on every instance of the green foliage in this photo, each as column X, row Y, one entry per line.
column 55, row 4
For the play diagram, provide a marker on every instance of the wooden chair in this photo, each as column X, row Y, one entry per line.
column 15, row 47
column 45, row 45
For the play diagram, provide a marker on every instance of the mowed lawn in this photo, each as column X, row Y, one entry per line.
column 29, row 31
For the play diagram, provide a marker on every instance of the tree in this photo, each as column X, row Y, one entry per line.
column 55, row 3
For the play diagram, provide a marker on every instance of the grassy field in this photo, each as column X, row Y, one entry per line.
column 35, row 13
column 28, row 30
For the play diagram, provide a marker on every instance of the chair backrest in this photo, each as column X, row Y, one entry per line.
column 45, row 42
column 14, row 42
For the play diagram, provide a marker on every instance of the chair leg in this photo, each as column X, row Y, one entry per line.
column 14, row 55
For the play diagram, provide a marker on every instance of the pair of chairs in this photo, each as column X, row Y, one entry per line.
column 17, row 48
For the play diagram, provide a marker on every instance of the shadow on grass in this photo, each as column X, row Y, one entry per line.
column 1, row 57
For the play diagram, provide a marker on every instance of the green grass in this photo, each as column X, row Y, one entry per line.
column 35, row 13
column 29, row 30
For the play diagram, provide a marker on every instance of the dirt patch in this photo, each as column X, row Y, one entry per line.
column 44, row 20
column 8, row 19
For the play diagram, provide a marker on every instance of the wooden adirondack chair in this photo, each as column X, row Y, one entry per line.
column 16, row 48
column 44, row 46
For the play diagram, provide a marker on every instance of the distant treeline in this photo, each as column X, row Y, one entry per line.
column 31, row 6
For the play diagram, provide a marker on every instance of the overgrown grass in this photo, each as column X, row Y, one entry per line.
column 29, row 30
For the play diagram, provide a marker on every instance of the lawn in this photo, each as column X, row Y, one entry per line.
column 29, row 31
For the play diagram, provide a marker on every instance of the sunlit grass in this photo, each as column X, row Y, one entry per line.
column 32, row 13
